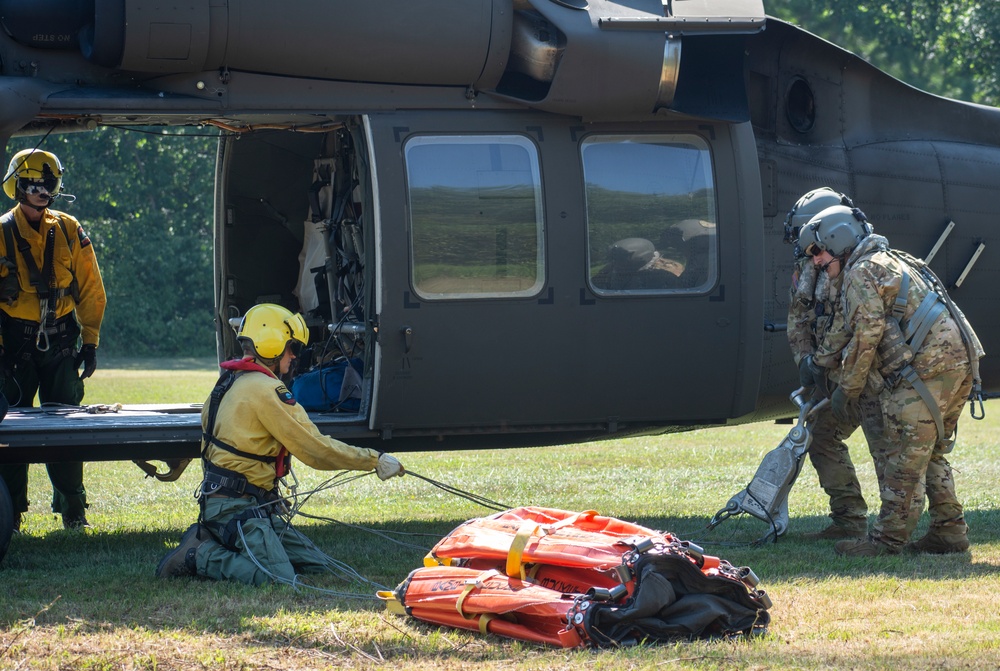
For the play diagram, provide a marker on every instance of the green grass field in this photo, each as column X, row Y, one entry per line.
column 90, row 601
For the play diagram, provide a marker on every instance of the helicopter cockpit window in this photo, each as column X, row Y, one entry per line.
column 475, row 216
column 651, row 217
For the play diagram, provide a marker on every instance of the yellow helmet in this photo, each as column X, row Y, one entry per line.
column 33, row 165
column 270, row 328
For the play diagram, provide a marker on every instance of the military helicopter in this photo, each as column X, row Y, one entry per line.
column 521, row 222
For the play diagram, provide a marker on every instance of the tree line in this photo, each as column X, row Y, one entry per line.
column 145, row 196
column 948, row 48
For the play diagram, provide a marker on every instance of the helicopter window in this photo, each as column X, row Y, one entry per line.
column 651, row 218
column 800, row 106
column 475, row 216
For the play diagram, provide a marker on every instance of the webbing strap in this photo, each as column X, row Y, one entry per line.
column 223, row 481
column 7, row 221
column 915, row 331
column 572, row 519
column 899, row 305
column 918, row 385
column 223, row 385
column 239, row 453
column 484, row 621
column 968, row 336
column 431, row 560
column 470, row 585
column 48, row 258
column 925, row 316
column 35, row 276
column 515, row 568
column 515, row 564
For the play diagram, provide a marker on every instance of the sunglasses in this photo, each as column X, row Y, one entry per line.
column 295, row 347
column 812, row 250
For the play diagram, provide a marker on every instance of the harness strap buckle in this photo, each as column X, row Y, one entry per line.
column 215, row 481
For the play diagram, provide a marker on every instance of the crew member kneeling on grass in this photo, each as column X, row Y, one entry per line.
column 251, row 424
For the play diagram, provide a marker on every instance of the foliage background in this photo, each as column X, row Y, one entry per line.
column 145, row 196
column 948, row 48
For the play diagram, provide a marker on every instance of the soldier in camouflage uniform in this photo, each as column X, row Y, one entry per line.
column 811, row 309
column 923, row 377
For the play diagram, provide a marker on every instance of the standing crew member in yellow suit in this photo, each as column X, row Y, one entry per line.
column 252, row 426
column 52, row 301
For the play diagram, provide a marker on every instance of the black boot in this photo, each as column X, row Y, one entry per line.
column 181, row 561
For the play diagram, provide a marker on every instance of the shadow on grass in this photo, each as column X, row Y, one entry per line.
column 103, row 580
column 103, row 577
column 794, row 556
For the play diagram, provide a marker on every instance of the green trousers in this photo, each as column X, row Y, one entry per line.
column 54, row 376
column 270, row 550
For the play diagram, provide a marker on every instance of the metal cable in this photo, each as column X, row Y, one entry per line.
column 475, row 498
column 341, row 570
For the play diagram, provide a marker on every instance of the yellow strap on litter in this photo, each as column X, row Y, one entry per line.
column 470, row 585
column 515, row 568
column 430, row 560
column 573, row 519
column 391, row 604
column 484, row 620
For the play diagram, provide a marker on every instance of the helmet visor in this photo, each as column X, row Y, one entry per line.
column 40, row 187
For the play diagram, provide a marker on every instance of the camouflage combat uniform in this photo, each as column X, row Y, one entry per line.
column 828, row 354
column 812, row 308
column 912, row 449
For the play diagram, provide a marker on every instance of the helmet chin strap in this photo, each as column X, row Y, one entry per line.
column 36, row 207
column 826, row 265
column 24, row 201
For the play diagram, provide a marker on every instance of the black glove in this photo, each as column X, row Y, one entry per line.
column 87, row 357
column 806, row 377
column 843, row 406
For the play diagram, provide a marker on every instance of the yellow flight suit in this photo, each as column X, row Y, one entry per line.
column 258, row 415
column 52, row 371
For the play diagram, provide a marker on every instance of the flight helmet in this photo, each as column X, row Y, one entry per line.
column 808, row 206
column 270, row 328
column 33, row 166
column 836, row 229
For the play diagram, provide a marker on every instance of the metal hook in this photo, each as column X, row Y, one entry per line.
column 43, row 315
column 976, row 395
column 42, row 335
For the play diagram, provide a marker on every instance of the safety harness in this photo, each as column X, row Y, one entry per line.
column 224, row 482
column 43, row 280
column 913, row 332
